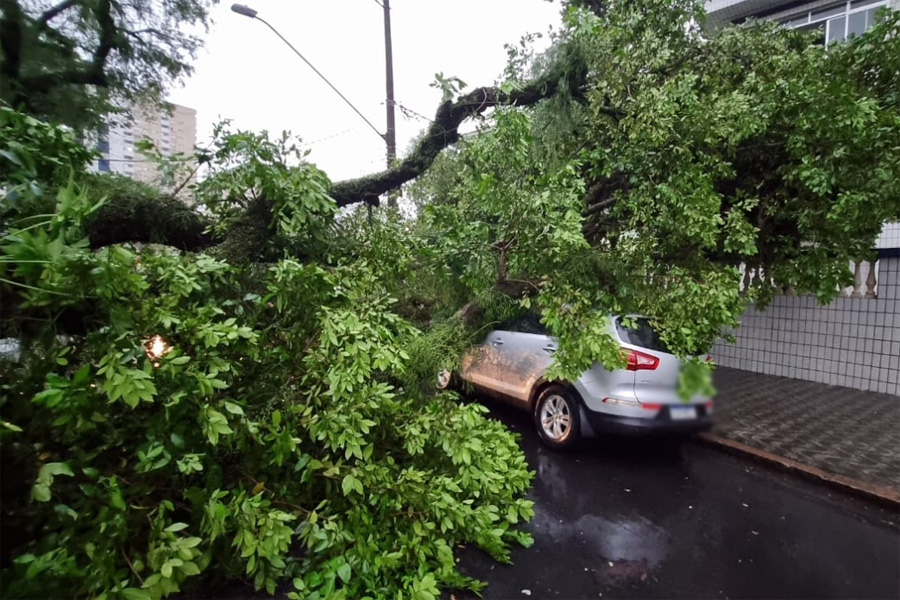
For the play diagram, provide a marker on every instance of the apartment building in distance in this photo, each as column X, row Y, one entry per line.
column 171, row 133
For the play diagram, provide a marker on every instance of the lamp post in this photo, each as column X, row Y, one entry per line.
column 249, row 12
column 390, row 136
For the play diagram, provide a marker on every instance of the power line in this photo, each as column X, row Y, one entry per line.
column 325, row 79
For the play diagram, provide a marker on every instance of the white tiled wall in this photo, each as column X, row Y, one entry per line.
column 852, row 342
column 890, row 236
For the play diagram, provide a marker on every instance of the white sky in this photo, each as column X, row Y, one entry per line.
column 245, row 73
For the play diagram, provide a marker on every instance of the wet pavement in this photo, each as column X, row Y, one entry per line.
column 664, row 518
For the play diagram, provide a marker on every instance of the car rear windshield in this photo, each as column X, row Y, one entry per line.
column 641, row 334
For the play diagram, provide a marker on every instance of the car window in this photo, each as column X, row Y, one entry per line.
column 529, row 322
column 641, row 334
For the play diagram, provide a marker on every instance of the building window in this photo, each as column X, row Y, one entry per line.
column 103, row 164
column 103, row 146
column 839, row 22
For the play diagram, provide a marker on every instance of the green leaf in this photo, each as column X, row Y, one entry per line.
column 10, row 426
column 136, row 594
column 344, row 572
column 350, row 483
column 116, row 500
column 41, row 492
column 54, row 469
column 276, row 418
column 233, row 408
column 175, row 527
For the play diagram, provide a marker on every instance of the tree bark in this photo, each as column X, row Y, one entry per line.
column 165, row 220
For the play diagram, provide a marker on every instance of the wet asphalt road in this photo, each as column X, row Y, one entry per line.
column 663, row 518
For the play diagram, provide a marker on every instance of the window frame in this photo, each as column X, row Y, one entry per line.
column 847, row 9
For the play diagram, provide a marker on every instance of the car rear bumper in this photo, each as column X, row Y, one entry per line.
column 661, row 422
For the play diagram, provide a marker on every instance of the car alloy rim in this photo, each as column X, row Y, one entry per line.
column 556, row 420
column 443, row 378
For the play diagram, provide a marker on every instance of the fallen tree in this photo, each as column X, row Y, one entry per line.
column 247, row 392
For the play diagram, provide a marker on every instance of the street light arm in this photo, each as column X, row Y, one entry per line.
column 238, row 9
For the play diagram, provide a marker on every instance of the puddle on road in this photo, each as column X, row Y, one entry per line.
column 601, row 541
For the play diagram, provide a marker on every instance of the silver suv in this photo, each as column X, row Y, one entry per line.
column 511, row 362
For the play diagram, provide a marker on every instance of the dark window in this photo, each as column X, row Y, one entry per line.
column 641, row 334
column 857, row 22
column 103, row 164
column 103, row 146
column 528, row 322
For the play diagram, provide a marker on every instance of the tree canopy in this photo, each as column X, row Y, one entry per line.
column 241, row 385
column 76, row 61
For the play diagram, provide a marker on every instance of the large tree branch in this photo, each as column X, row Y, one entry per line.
column 169, row 221
column 54, row 11
column 11, row 26
column 443, row 132
column 150, row 220
column 95, row 72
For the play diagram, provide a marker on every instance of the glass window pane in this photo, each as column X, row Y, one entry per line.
column 641, row 334
column 836, row 29
column 857, row 23
column 858, row 3
column 528, row 323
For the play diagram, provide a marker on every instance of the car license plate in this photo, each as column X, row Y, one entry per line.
column 681, row 413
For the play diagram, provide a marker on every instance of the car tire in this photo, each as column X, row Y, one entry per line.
column 557, row 417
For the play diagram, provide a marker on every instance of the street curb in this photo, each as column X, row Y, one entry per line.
column 883, row 495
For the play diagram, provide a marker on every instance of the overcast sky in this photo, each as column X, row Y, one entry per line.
column 245, row 73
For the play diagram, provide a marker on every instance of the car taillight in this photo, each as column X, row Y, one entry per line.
column 641, row 361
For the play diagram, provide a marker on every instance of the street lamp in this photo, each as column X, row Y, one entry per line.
column 249, row 12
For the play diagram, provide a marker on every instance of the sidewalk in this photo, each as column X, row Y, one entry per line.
column 844, row 432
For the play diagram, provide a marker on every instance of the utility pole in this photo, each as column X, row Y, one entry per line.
column 390, row 136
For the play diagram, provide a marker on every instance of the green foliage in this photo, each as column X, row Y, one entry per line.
column 74, row 62
column 687, row 154
column 264, row 410
column 175, row 418
column 33, row 153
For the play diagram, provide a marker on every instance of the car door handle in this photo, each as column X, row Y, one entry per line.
column 498, row 342
column 549, row 349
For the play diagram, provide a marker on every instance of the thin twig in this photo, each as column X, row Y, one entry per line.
column 131, row 566
column 305, row 511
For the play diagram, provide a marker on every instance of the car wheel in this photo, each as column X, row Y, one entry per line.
column 556, row 417
column 444, row 378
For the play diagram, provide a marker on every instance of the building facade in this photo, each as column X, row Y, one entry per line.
column 835, row 20
column 171, row 133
